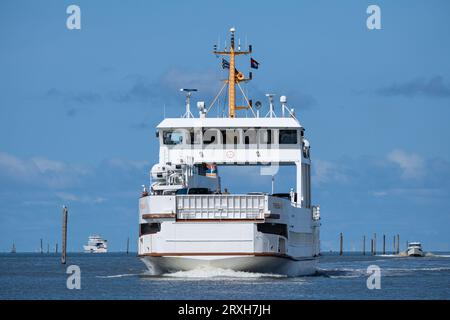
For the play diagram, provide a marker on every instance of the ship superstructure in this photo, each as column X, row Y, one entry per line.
column 187, row 220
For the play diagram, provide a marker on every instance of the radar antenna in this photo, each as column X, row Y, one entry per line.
column 271, row 113
column 188, row 113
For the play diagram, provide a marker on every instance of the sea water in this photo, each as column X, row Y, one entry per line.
column 122, row 276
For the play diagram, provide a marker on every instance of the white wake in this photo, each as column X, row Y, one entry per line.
column 211, row 272
column 119, row 275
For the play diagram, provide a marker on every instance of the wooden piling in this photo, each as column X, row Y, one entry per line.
column 374, row 244
column 341, row 244
column 398, row 243
column 371, row 246
column 128, row 244
column 394, row 248
column 384, row 244
column 56, row 247
column 364, row 245
column 64, row 235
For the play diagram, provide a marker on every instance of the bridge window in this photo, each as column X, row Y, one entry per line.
column 288, row 137
column 211, row 136
column 173, row 137
column 231, row 136
column 265, row 136
column 250, row 136
column 195, row 137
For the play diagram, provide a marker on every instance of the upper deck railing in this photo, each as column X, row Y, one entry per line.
column 221, row 206
column 218, row 207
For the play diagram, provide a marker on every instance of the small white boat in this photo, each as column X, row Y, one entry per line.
column 414, row 249
column 96, row 245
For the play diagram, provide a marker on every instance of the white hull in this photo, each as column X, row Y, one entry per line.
column 415, row 252
column 259, row 264
column 237, row 244
column 89, row 249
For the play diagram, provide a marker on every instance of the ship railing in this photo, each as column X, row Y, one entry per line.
column 220, row 206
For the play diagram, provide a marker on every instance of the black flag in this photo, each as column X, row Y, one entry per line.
column 225, row 64
column 254, row 64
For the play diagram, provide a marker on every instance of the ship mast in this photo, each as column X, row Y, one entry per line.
column 234, row 76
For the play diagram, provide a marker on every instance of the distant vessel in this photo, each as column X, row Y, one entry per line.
column 13, row 249
column 415, row 249
column 96, row 245
column 188, row 221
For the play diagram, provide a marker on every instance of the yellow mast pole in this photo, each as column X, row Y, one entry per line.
column 232, row 79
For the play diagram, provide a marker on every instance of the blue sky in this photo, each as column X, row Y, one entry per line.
column 78, row 109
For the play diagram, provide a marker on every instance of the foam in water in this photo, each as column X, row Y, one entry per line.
column 118, row 276
column 361, row 272
column 341, row 273
column 419, row 269
column 211, row 272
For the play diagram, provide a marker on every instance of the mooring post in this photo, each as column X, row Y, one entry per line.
column 384, row 244
column 41, row 250
column 64, row 235
column 48, row 247
column 56, row 247
column 371, row 246
column 398, row 243
column 341, row 244
column 374, row 244
column 128, row 244
column 364, row 245
column 394, row 250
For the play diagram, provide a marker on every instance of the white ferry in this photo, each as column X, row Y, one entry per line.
column 96, row 244
column 186, row 219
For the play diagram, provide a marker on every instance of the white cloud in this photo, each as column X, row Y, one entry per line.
column 322, row 171
column 46, row 165
column 70, row 197
column 205, row 81
column 167, row 86
column 412, row 192
column 67, row 196
column 412, row 165
column 379, row 194
column 325, row 171
column 39, row 171
column 13, row 166
column 128, row 164
column 53, row 180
